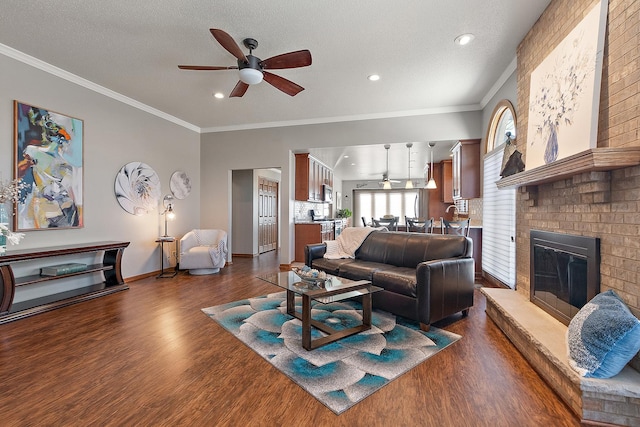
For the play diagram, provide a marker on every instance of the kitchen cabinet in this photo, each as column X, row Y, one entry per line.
column 446, row 179
column 466, row 169
column 309, row 233
column 310, row 175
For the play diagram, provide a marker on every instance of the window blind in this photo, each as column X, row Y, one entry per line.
column 498, row 223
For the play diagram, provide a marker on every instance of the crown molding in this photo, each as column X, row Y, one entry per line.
column 59, row 72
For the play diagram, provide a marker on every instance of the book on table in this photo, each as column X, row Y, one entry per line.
column 60, row 269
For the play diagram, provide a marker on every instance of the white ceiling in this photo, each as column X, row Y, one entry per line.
column 133, row 48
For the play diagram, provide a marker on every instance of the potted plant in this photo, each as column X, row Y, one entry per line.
column 344, row 213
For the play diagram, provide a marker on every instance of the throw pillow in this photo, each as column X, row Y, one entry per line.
column 603, row 337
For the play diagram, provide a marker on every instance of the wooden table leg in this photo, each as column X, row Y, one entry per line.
column 291, row 302
column 366, row 310
column 306, row 322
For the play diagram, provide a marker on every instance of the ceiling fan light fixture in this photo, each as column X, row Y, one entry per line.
column 250, row 76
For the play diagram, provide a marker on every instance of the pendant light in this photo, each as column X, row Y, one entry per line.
column 387, row 183
column 431, row 185
column 409, row 183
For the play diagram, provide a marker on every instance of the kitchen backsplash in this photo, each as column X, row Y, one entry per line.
column 302, row 210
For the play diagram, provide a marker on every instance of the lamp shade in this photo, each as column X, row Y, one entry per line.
column 386, row 185
column 250, row 76
column 431, row 185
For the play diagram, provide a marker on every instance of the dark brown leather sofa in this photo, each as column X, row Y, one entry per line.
column 426, row 277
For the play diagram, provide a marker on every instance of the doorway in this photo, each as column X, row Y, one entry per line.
column 267, row 215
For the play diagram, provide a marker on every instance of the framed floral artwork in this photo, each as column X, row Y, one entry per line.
column 565, row 93
column 48, row 158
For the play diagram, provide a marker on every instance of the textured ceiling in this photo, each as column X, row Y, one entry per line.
column 133, row 48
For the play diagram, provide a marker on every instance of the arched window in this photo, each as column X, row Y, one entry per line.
column 503, row 120
column 498, row 205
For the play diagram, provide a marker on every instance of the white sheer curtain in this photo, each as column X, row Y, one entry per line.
column 498, row 223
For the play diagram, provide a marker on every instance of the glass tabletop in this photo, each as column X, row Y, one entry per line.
column 333, row 289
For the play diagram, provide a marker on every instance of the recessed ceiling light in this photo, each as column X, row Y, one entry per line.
column 346, row 156
column 464, row 39
column 374, row 77
column 219, row 95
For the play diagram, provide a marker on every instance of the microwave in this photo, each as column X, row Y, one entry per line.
column 327, row 193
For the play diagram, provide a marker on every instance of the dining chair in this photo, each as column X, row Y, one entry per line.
column 419, row 225
column 390, row 223
column 455, row 227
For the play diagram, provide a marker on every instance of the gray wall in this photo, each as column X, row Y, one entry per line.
column 114, row 134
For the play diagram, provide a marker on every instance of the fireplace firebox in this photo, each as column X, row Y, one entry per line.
column 564, row 272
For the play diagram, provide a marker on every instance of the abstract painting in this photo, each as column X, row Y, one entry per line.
column 137, row 188
column 48, row 158
column 565, row 94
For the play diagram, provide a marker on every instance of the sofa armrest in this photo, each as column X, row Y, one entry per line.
column 445, row 286
column 313, row 251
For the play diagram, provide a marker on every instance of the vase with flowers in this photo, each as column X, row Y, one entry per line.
column 9, row 193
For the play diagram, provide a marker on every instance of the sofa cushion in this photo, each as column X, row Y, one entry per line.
column 330, row 266
column 361, row 270
column 400, row 280
column 603, row 337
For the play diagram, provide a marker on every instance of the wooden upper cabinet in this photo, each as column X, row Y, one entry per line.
column 310, row 176
column 447, row 181
column 466, row 169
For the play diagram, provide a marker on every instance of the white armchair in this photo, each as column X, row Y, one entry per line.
column 203, row 251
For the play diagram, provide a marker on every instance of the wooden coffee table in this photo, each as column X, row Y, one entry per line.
column 335, row 289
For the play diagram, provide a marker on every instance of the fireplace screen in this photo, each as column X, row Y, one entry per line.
column 564, row 272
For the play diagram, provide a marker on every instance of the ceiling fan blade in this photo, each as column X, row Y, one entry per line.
column 206, row 67
column 239, row 90
column 227, row 42
column 300, row 58
column 287, row 86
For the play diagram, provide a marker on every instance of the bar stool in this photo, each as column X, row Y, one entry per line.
column 455, row 227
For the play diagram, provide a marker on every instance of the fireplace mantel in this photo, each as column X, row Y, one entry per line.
column 594, row 159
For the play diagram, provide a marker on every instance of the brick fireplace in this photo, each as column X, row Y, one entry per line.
column 596, row 195
column 565, row 272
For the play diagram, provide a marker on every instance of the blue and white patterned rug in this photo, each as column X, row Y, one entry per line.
column 339, row 374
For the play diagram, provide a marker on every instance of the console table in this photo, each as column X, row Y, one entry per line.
column 110, row 267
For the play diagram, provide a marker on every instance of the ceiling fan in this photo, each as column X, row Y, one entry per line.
column 386, row 182
column 252, row 69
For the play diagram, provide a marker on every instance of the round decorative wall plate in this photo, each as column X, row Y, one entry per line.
column 137, row 188
column 180, row 184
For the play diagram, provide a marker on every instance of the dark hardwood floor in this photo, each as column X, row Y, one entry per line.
column 148, row 356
